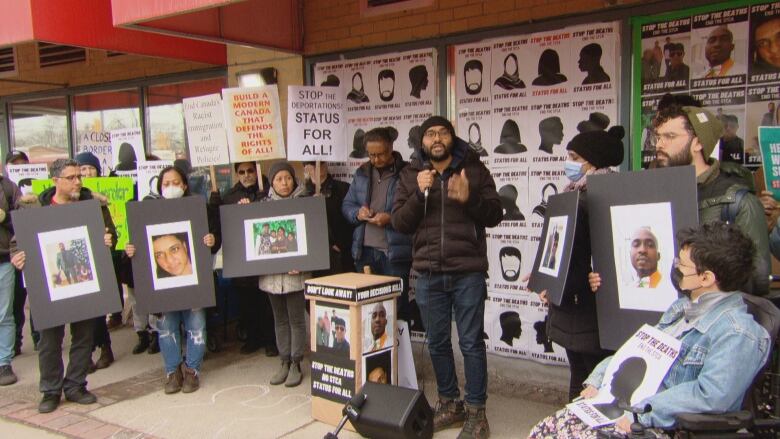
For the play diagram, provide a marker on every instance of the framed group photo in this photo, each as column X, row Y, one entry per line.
column 276, row 237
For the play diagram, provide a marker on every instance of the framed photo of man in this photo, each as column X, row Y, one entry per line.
column 378, row 325
column 68, row 269
column 634, row 217
column 551, row 265
column 274, row 237
column 172, row 267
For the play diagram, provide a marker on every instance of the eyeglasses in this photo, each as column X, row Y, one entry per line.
column 246, row 171
column 677, row 264
column 71, row 178
column 442, row 134
column 667, row 137
column 372, row 156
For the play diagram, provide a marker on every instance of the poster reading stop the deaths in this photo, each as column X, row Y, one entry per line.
column 519, row 101
column 206, row 136
column 127, row 149
column 396, row 90
column 722, row 55
column 315, row 124
column 254, row 123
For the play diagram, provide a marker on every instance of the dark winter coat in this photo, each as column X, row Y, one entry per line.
column 339, row 229
column 449, row 237
column 399, row 245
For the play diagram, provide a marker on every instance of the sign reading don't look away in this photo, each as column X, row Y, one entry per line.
column 315, row 124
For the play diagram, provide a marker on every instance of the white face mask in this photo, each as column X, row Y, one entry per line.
column 169, row 192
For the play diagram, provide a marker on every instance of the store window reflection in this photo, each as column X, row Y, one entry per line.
column 97, row 114
column 40, row 129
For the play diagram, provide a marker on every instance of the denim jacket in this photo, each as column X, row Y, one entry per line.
column 718, row 360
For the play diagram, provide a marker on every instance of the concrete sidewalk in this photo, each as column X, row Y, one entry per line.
column 235, row 400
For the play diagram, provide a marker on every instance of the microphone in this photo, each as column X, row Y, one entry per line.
column 428, row 167
column 351, row 412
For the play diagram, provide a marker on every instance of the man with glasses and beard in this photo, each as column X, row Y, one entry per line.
column 687, row 135
column 446, row 198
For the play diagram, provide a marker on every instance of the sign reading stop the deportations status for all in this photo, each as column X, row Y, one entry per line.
column 253, row 123
column 316, row 124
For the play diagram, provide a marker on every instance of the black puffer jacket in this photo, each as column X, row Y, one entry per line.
column 449, row 237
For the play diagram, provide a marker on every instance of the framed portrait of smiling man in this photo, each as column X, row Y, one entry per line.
column 551, row 265
column 172, row 267
column 634, row 217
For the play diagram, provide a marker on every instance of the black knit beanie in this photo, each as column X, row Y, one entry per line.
column 436, row 121
column 600, row 148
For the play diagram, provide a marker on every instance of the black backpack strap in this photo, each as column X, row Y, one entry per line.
column 729, row 212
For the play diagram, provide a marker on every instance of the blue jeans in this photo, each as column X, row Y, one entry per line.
column 168, row 324
column 7, row 323
column 380, row 264
column 438, row 295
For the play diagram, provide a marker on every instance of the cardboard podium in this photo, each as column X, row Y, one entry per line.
column 353, row 326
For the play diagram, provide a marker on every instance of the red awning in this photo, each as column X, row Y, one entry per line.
column 89, row 23
column 275, row 24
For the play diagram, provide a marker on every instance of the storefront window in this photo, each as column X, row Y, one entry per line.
column 166, row 116
column 40, row 129
column 96, row 114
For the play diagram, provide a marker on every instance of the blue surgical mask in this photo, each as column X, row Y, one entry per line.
column 573, row 170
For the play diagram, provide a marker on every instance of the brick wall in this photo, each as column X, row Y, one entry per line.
column 336, row 25
column 96, row 70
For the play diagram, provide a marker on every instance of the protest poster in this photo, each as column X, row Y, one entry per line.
column 172, row 267
column 332, row 377
column 206, row 138
column 68, row 269
column 634, row 373
column 253, row 122
column 769, row 141
column 118, row 191
column 147, row 175
column 127, row 149
column 23, row 175
column 712, row 53
column 99, row 144
column 315, row 124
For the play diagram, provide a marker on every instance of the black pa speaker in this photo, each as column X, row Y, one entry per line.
column 394, row 412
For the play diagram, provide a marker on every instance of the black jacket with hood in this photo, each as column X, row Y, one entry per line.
column 449, row 237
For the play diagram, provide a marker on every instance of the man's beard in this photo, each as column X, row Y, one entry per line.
column 441, row 157
column 74, row 196
column 684, row 158
column 386, row 95
column 474, row 88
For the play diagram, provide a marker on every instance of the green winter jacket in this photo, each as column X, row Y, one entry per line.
column 716, row 188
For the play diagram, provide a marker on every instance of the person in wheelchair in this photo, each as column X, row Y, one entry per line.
column 722, row 345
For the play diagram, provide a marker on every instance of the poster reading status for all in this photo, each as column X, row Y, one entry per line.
column 722, row 55
column 395, row 90
column 519, row 101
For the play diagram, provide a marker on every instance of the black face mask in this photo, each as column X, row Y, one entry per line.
column 676, row 277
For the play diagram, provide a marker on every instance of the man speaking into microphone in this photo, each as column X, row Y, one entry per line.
column 445, row 198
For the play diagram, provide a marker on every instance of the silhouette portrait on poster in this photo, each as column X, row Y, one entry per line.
column 475, row 139
column 418, row 78
column 510, row 142
column 357, row 94
column 590, row 63
column 551, row 133
column 508, row 195
column 510, row 80
column 510, row 259
column 386, row 81
column 472, row 76
column 549, row 69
